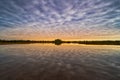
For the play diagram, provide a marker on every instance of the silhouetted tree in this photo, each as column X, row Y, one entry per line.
column 58, row 41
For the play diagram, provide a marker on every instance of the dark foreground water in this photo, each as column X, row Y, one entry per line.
column 64, row 62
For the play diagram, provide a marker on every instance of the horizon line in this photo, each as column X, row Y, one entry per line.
column 52, row 40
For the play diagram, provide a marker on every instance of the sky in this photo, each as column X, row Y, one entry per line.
column 64, row 19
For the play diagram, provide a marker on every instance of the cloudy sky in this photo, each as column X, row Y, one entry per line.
column 64, row 19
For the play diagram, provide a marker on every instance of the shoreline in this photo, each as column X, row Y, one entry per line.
column 59, row 42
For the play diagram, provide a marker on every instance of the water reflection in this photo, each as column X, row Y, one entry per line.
column 64, row 62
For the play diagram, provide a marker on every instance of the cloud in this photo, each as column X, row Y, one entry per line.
column 69, row 17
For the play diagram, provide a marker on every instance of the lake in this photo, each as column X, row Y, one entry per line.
column 63, row 62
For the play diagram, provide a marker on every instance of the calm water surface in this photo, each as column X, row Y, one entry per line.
column 64, row 62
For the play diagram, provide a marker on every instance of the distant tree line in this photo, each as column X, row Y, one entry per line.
column 24, row 41
column 58, row 42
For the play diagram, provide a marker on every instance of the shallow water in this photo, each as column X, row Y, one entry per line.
column 64, row 62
